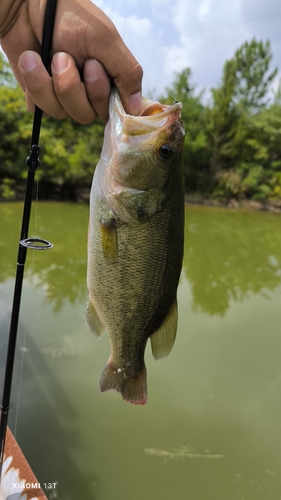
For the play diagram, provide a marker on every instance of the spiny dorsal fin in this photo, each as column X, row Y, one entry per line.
column 163, row 339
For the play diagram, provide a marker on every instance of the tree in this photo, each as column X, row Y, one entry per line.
column 253, row 78
column 194, row 154
column 242, row 95
column 69, row 151
column 221, row 121
column 232, row 145
column 261, row 166
column 6, row 74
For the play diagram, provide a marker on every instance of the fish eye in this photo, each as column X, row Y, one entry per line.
column 165, row 151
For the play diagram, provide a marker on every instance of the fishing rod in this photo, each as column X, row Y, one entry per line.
column 32, row 163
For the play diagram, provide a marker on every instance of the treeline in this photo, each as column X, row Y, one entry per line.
column 232, row 146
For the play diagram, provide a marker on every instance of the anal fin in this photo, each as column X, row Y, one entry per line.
column 162, row 340
column 93, row 320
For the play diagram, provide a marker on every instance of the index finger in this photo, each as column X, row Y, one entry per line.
column 127, row 78
column 92, row 35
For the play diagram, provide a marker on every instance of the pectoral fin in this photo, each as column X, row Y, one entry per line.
column 163, row 339
column 109, row 240
column 135, row 205
column 93, row 320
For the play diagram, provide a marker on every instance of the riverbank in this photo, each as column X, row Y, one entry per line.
column 273, row 206
column 81, row 194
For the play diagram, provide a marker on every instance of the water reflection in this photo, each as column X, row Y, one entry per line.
column 211, row 427
column 43, row 417
column 60, row 271
column 229, row 254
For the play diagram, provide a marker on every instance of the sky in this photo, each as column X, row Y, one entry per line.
column 168, row 36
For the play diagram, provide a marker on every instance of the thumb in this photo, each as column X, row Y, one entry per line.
column 132, row 104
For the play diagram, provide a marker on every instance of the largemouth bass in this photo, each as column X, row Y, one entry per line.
column 135, row 244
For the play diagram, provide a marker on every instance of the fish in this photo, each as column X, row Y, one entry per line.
column 135, row 241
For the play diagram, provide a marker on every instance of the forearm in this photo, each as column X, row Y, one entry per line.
column 9, row 10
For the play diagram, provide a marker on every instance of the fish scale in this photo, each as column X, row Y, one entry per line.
column 135, row 245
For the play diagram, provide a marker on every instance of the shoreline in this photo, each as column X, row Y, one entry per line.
column 261, row 206
column 81, row 194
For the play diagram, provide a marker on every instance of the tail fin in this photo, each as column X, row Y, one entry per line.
column 132, row 389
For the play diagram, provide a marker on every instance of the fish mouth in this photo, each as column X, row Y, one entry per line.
column 154, row 116
column 131, row 167
column 154, row 109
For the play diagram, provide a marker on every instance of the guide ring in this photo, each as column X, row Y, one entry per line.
column 36, row 244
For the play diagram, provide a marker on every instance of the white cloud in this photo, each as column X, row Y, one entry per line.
column 176, row 59
column 140, row 27
column 168, row 36
column 204, row 11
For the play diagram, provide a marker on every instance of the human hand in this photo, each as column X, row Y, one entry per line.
column 84, row 40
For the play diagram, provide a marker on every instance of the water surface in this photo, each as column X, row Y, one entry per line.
column 211, row 428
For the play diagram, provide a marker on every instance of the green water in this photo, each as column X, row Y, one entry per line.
column 211, row 429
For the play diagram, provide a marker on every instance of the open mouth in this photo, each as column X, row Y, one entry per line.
column 156, row 108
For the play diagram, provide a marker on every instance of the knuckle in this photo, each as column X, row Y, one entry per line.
column 98, row 92
column 132, row 78
column 86, row 121
column 136, row 73
column 33, row 86
column 87, row 117
column 59, row 115
column 62, row 85
column 29, row 103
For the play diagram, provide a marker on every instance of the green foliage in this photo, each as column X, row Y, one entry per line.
column 222, row 120
column 251, row 68
column 6, row 188
column 232, row 145
column 195, row 159
column 69, row 151
column 229, row 185
column 6, row 74
column 15, row 126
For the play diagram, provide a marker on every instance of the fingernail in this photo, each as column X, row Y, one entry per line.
column 135, row 103
column 29, row 60
column 91, row 70
column 60, row 62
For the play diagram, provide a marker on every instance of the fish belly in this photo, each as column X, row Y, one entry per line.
column 133, row 273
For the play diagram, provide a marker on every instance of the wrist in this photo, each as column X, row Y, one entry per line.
column 9, row 11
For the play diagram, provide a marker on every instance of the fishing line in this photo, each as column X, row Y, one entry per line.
column 25, row 242
column 125, row 21
column 27, row 315
column 36, row 207
column 23, row 349
column 26, row 322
